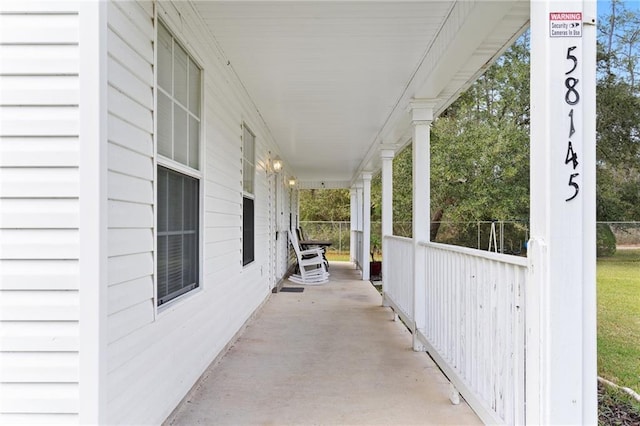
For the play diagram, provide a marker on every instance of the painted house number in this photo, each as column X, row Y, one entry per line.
column 572, row 98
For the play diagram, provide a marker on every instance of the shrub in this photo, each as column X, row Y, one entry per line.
column 605, row 241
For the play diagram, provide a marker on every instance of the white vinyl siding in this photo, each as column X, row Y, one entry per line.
column 39, row 213
column 40, row 363
column 152, row 362
column 130, row 179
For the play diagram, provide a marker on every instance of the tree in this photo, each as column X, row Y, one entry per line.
column 479, row 152
column 325, row 205
column 618, row 116
column 480, row 146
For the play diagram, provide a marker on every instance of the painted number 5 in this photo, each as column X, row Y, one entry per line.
column 571, row 57
column 575, row 186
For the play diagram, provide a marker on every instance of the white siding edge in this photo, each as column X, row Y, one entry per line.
column 93, row 212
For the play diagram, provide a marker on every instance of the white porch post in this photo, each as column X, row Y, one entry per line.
column 354, row 225
column 358, row 243
column 421, row 118
column 366, row 223
column 387, row 212
column 560, row 298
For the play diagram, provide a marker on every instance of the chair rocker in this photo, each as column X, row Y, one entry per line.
column 312, row 267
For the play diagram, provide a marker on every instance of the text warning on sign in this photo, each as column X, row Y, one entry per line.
column 565, row 24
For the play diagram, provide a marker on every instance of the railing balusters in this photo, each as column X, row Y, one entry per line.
column 474, row 320
column 474, row 326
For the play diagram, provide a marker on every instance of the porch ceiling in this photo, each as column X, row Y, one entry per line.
column 333, row 80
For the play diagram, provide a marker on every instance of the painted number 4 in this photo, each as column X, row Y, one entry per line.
column 572, row 157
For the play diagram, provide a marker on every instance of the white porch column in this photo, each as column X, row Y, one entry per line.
column 354, row 225
column 387, row 212
column 560, row 297
column 421, row 118
column 358, row 224
column 366, row 224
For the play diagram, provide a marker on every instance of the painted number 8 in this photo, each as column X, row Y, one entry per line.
column 572, row 96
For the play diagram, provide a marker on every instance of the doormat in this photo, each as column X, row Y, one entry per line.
column 291, row 289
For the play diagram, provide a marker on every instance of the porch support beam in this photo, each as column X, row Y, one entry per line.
column 560, row 296
column 386, row 155
column 421, row 117
column 356, row 217
column 354, row 225
column 366, row 224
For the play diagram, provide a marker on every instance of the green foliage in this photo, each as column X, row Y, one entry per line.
column 480, row 172
column 480, row 146
column 618, row 151
column 605, row 241
column 479, row 153
column 618, row 115
column 403, row 186
column 325, row 205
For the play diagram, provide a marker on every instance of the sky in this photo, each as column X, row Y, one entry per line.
column 604, row 5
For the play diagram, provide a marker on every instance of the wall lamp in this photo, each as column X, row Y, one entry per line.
column 274, row 165
column 292, row 181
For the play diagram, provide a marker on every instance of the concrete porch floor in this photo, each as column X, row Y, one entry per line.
column 329, row 355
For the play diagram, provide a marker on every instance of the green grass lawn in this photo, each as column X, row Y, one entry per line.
column 339, row 257
column 618, row 280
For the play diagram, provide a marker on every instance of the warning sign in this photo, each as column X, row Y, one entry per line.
column 565, row 24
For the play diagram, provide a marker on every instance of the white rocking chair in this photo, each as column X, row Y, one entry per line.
column 312, row 266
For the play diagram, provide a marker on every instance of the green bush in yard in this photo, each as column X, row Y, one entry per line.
column 605, row 241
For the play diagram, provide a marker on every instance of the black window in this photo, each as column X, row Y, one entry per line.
column 248, row 231
column 177, row 234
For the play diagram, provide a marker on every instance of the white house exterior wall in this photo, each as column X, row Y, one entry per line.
column 39, row 238
column 130, row 192
column 153, row 356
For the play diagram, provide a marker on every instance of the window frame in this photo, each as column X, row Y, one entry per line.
column 184, row 245
column 171, row 161
column 175, row 166
column 248, row 196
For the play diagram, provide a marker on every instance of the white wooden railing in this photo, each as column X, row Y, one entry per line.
column 474, row 326
column 398, row 276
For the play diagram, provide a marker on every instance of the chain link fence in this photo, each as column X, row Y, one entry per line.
column 627, row 233
column 613, row 236
column 338, row 233
column 503, row 236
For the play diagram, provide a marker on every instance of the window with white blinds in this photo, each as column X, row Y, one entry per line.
column 178, row 172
